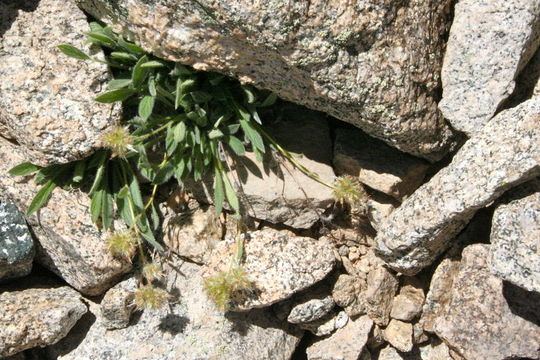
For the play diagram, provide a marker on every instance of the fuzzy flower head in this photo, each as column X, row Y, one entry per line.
column 117, row 139
column 227, row 287
column 149, row 297
column 347, row 189
column 151, row 271
column 122, row 244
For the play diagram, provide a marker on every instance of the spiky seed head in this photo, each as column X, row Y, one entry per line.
column 227, row 287
column 149, row 297
column 151, row 271
column 122, row 244
column 347, row 189
column 117, row 139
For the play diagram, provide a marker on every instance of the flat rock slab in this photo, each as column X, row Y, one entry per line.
column 47, row 101
column 490, row 42
column 485, row 318
column 278, row 263
column 515, row 239
column 346, row 343
column 505, row 153
column 16, row 244
column 38, row 316
column 375, row 64
column 376, row 164
column 69, row 244
column 189, row 329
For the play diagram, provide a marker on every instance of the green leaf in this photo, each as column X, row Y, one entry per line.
column 153, row 64
column 200, row 97
column 164, row 174
column 101, row 158
column 178, row 93
column 219, row 190
column 250, row 96
column 154, row 216
column 73, row 52
column 236, row 145
column 152, row 86
column 146, row 106
column 269, row 101
column 41, row 197
column 115, row 95
column 78, row 174
column 118, row 84
column 123, row 56
column 95, row 205
column 215, row 134
column 95, row 26
column 252, row 134
column 232, row 199
column 170, row 142
column 24, row 168
column 180, row 132
column 102, row 38
column 146, row 232
column 139, row 73
column 180, row 69
column 107, row 210
column 130, row 46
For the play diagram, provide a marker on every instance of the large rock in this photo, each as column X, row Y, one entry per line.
column 190, row 328
column 515, row 239
column 16, row 244
column 69, row 243
column 346, row 343
column 47, row 101
column 485, row 318
column 376, row 164
column 39, row 316
column 277, row 192
column 504, row 154
column 490, row 43
column 117, row 305
column 278, row 265
column 373, row 64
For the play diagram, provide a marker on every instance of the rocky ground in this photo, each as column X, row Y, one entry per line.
column 440, row 261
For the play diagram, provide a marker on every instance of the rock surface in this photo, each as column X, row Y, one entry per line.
column 311, row 308
column 276, row 191
column 375, row 64
column 485, row 318
column 504, row 154
column 376, row 164
column 400, row 335
column 515, row 239
column 408, row 303
column 327, row 324
column 117, row 305
column 69, row 243
column 490, row 42
column 16, row 244
column 346, row 343
column 193, row 234
column 278, row 264
column 47, row 98
column 40, row 316
column 189, row 328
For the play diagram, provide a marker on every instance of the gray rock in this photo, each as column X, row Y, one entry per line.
column 490, row 163
column 500, row 326
column 69, row 244
column 327, row 324
column 16, row 244
column 378, row 209
column 376, row 164
column 400, row 335
column 117, row 305
column 375, row 65
column 490, row 42
column 515, row 239
column 310, row 308
column 193, row 234
column 346, row 343
column 278, row 264
column 189, row 328
column 47, row 101
column 408, row 303
column 276, row 191
column 435, row 350
column 40, row 316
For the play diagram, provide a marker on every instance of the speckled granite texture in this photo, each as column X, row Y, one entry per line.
column 374, row 64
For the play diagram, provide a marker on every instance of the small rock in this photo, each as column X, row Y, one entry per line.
column 378, row 209
column 382, row 285
column 485, row 318
column 400, row 335
column 327, row 324
column 376, row 164
column 346, row 290
column 311, row 309
column 276, row 191
column 279, row 265
column 419, row 336
column 16, row 244
column 42, row 107
column 193, row 234
column 346, row 343
column 117, row 304
column 435, row 350
column 515, row 239
column 490, row 42
column 38, row 316
column 389, row 353
column 487, row 165
column 376, row 339
column 408, row 304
